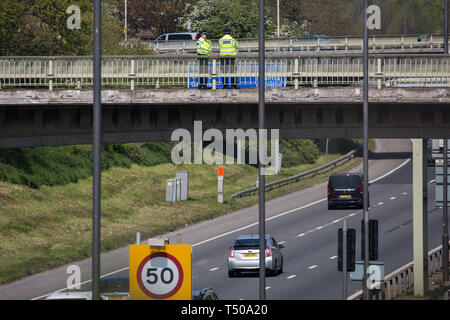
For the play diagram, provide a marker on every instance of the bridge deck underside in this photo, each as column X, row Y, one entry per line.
column 39, row 125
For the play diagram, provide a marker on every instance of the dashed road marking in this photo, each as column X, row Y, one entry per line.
column 238, row 229
column 267, row 288
column 380, row 203
column 214, row 269
column 290, row 277
column 313, row 267
column 393, row 198
column 332, row 257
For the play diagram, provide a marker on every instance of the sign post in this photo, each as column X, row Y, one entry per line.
column 160, row 272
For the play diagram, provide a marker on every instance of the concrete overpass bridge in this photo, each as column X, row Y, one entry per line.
column 48, row 100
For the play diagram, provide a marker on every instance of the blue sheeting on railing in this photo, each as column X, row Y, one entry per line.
column 242, row 82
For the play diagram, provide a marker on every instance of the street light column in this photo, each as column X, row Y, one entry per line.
column 366, row 153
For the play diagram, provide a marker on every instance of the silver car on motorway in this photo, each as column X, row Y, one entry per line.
column 244, row 255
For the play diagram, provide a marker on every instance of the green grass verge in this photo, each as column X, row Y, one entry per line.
column 50, row 226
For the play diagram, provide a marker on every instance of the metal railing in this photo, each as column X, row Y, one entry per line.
column 320, row 43
column 291, row 70
column 324, row 168
column 401, row 281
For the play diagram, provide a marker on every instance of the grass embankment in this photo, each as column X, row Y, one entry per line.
column 50, row 226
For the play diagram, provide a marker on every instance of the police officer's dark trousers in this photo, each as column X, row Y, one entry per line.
column 203, row 69
column 228, row 69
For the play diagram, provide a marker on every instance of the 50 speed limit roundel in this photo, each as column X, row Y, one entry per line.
column 160, row 272
column 160, row 275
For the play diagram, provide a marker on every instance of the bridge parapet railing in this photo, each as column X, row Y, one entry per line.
column 182, row 71
column 401, row 281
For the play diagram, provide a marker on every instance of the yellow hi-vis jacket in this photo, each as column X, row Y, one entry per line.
column 204, row 46
column 227, row 46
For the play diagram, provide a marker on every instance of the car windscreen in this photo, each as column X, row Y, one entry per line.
column 246, row 243
column 180, row 37
column 344, row 182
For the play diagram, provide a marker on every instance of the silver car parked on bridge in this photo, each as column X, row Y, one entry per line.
column 244, row 255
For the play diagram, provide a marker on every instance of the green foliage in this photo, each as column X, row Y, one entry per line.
column 241, row 16
column 298, row 151
column 50, row 166
column 33, row 27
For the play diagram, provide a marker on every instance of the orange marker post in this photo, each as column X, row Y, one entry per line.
column 220, row 185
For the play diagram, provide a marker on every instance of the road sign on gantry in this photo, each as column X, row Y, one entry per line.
column 160, row 273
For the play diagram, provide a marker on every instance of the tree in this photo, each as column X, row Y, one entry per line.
column 158, row 16
column 241, row 16
column 328, row 17
column 38, row 27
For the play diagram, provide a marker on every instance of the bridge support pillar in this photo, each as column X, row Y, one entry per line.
column 420, row 217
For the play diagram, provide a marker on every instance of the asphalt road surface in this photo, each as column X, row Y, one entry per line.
column 302, row 222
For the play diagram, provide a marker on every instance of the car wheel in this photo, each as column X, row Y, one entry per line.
column 330, row 207
column 231, row 274
column 273, row 272
column 281, row 267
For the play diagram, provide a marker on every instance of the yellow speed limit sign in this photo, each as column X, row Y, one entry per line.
column 160, row 273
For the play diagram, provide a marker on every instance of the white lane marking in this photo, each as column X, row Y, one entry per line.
column 267, row 288
column 432, row 181
column 290, row 277
column 380, row 203
column 312, row 267
column 392, row 171
column 332, row 257
column 214, row 269
column 328, row 224
column 404, row 193
column 84, row 282
column 256, row 223
column 393, row 198
column 239, row 229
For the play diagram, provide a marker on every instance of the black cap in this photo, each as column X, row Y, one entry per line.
column 227, row 30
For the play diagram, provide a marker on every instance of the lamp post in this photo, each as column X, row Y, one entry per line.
column 261, row 107
column 405, row 26
column 278, row 18
column 365, row 152
column 97, row 145
column 125, row 29
column 446, row 26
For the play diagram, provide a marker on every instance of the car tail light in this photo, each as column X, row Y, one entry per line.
column 361, row 190
column 232, row 253
column 268, row 253
column 329, row 191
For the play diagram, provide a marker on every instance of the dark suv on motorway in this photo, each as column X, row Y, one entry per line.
column 345, row 189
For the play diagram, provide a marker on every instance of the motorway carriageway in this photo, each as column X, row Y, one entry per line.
column 302, row 222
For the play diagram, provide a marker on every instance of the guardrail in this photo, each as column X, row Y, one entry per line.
column 326, row 167
column 401, row 280
column 319, row 43
column 291, row 70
